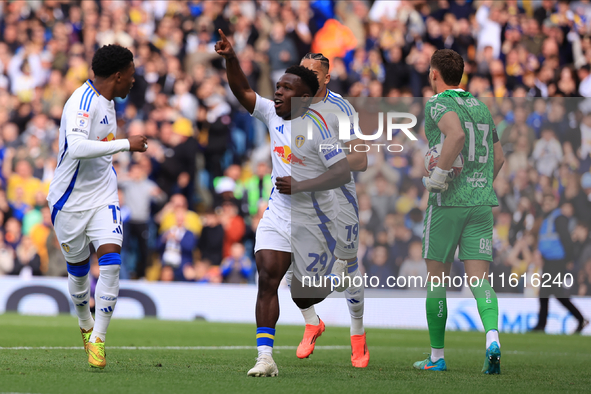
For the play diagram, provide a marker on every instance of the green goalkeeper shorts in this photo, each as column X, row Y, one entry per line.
column 446, row 228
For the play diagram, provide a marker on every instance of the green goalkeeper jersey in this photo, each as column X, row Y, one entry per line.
column 474, row 186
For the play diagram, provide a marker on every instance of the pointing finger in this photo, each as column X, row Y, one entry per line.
column 222, row 35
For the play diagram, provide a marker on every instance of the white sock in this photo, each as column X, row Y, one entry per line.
column 492, row 336
column 355, row 297
column 310, row 316
column 106, row 293
column 79, row 288
column 265, row 350
column 436, row 354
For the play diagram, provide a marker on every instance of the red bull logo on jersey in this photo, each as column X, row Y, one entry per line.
column 285, row 154
column 110, row 137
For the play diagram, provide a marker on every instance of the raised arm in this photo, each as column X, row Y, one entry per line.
column 236, row 78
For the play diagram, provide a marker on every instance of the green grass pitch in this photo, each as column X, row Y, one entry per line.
column 530, row 362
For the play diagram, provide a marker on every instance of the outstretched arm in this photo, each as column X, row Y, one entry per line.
column 236, row 78
column 82, row 148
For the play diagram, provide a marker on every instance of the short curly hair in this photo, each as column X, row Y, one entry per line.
column 110, row 59
column 308, row 77
column 450, row 65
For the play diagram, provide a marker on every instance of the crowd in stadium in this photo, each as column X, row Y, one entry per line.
column 191, row 203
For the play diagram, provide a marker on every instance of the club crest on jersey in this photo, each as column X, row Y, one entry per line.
column 437, row 110
column 82, row 119
column 284, row 153
column 300, row 140
column 66, row 247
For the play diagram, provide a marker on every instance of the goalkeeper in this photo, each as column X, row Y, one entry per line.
column 460, row 209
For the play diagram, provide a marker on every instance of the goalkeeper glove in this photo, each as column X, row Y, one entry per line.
column 436, row 182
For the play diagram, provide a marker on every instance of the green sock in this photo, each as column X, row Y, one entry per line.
column 436, row 306
column 488, row 305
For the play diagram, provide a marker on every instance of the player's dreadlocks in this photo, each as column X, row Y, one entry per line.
column 308, row 77
column 110, row 59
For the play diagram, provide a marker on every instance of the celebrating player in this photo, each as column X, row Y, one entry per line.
column 347, row 221
column 460, row 212
column 302, row 205
column 83, row 193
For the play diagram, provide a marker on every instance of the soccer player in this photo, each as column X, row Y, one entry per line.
column 347, row 221
column 83, row 193
column 298, row 225
column 460, row 212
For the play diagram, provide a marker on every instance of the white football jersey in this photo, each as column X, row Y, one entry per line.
column 346, row 194
column 294, row 154
column 83, row 184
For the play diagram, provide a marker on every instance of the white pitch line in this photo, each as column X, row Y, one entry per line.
column 168, row 347
column 394, row 348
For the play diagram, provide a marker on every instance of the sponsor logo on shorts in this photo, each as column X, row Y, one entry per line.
column 66, row 247
column 485, row 246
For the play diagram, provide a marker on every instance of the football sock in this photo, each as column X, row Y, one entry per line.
column 106, row 293
column 265, row 339
column 355, row 297
column 436, row 354
column 487, row 303
column 492, row 336
column 310, row 316
column 79, row 288
column 436, row 306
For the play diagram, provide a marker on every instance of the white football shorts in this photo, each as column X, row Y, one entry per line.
column 76, row 230
column 348, row 233
column 312, row 245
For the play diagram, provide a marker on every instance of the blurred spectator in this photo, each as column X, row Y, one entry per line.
column 27, row 262
column 176, row 246
column 255, row 189
column 282, row 52
column 141, row 192
column 167, row 219
column 233, row 224
column 212, row 239
column 21, row 185
column 178, row 170
column 39, row 234
column 414, row 266
column 556, row 247
column 377, row 264
column 547, row 153
column 237, row 267
column 6, row 257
